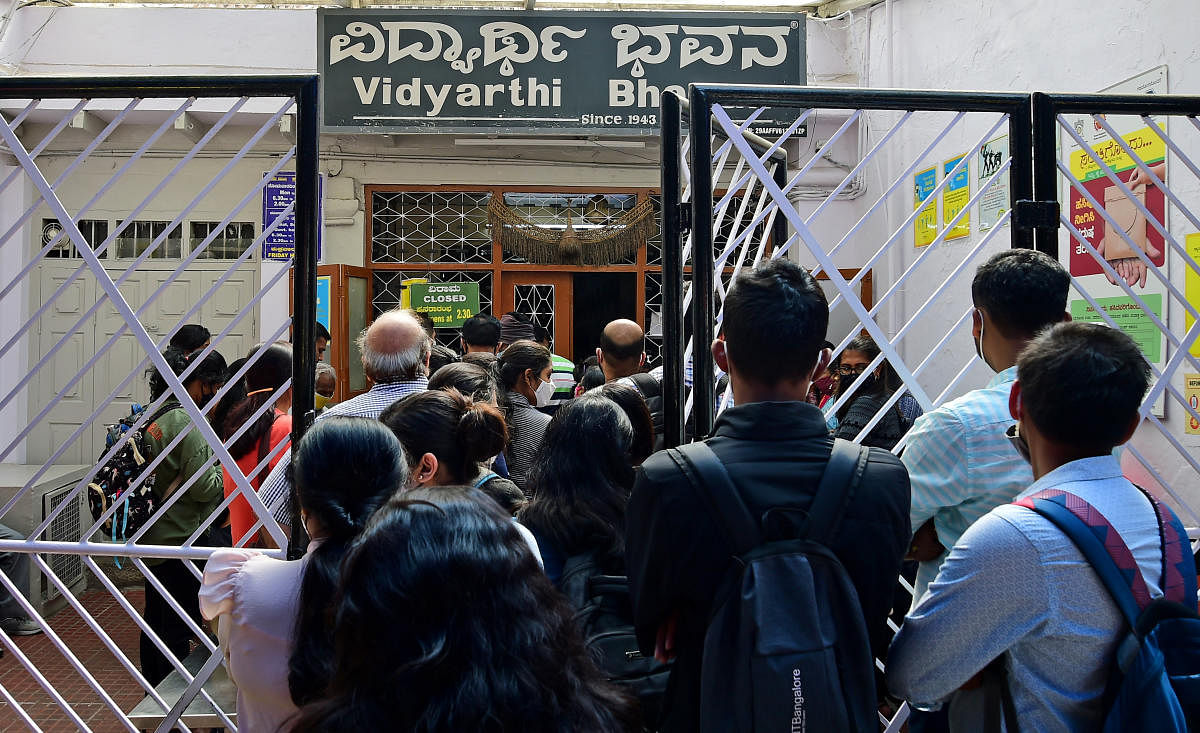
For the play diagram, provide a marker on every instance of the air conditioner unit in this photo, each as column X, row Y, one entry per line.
column 66, row 527
column 30, row 510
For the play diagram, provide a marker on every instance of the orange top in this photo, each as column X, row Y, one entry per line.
column 241, row 518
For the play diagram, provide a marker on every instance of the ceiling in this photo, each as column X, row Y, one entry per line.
column 824, row 8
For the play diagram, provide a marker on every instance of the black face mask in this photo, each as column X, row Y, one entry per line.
column 867, row 386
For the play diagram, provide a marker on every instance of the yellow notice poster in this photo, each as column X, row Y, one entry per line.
column 1192, row 285
column 925, row 228
column 1191, row 392
column 405, row 300
column 954, row 198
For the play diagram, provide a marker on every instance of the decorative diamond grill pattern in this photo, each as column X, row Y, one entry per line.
column 654, row 306
column 587, row 210
column 536, row 301
column 387, row 286
column 430, row 227
column 654, row 241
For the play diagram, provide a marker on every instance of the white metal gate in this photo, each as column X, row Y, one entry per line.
column 133, row 207
column 918, row 189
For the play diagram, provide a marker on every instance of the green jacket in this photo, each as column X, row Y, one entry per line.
column 190, row 456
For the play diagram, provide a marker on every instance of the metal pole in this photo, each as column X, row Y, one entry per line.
column 304, row 290
column 779, row 229
column 1020, row 173
column 674, row 336
column 702, row 263
column 1045, row 170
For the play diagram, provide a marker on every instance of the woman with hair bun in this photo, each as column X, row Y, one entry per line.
column 448, row 437
column 270, row 369
column 273, row 614
column 444, row 623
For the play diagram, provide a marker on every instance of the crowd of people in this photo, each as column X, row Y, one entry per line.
column 471, row 526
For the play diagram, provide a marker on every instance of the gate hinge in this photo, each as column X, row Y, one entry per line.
column 1033, row 215
column 685, row 218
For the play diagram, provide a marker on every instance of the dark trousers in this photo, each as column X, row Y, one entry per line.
column 16, row 566
column 184, row 587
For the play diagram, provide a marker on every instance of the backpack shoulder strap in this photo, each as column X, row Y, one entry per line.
column 479, row 482
column 1100, row 544
column 646, row 384
column 1178, row 564
column 839, row 482
column 708, row 476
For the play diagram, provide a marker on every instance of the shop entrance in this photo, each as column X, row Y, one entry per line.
column 600, row 297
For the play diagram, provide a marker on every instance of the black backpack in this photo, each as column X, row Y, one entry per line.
column 120, row 480
column 786, row 647
column 604, row 614
column 651, row 391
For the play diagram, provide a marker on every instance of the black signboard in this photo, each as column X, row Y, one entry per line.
column 396, row 71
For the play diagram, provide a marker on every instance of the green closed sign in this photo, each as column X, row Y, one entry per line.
column 448, row 304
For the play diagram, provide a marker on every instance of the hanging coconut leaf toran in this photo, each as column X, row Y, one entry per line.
column 602, row 245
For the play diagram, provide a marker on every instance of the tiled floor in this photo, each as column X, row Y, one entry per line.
column 98, row 660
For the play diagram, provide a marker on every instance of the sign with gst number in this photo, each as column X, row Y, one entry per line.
column 448, row 304
column 397, row 71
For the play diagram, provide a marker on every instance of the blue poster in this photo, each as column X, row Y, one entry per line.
column 278, row 194
column 324, row 293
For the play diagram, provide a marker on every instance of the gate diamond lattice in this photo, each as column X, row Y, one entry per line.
column 132, row 209
column 852, row 190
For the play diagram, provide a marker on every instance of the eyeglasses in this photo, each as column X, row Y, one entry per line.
column 847, row 370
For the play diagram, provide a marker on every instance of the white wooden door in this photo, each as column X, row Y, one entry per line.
column 99, row 386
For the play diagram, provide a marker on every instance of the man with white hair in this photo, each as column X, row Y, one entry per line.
column 395, row 357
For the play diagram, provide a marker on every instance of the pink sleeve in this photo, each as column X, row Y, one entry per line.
column 222, row 578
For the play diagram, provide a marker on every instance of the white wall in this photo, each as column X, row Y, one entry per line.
column 15, row 364
column 1027, row 45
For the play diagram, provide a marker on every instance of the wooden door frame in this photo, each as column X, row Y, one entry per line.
column 339, row 320
column 503, row 300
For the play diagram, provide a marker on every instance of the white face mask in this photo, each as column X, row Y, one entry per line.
column 544, row 392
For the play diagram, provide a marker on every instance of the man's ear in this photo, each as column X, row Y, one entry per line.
column 976, row 323
column 599, row 356
column 720, row 354
column 1066, row 318
column 642, row 360
column 1014, row 401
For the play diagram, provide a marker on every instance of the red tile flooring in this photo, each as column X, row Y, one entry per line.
column 90, row 650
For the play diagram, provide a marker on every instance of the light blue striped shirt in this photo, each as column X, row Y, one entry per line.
column 961, row 465
column 1015, row 584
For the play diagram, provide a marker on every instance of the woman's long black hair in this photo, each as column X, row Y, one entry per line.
column 581, row 478
column 446, row 623
column 343, row 470
column 271, row 368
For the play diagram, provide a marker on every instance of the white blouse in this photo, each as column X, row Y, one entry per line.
column 255, row 598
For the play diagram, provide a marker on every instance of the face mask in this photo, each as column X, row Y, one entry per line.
column 320, row 401
column 979, row 342
column 544, row 391
column 1014, row 436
